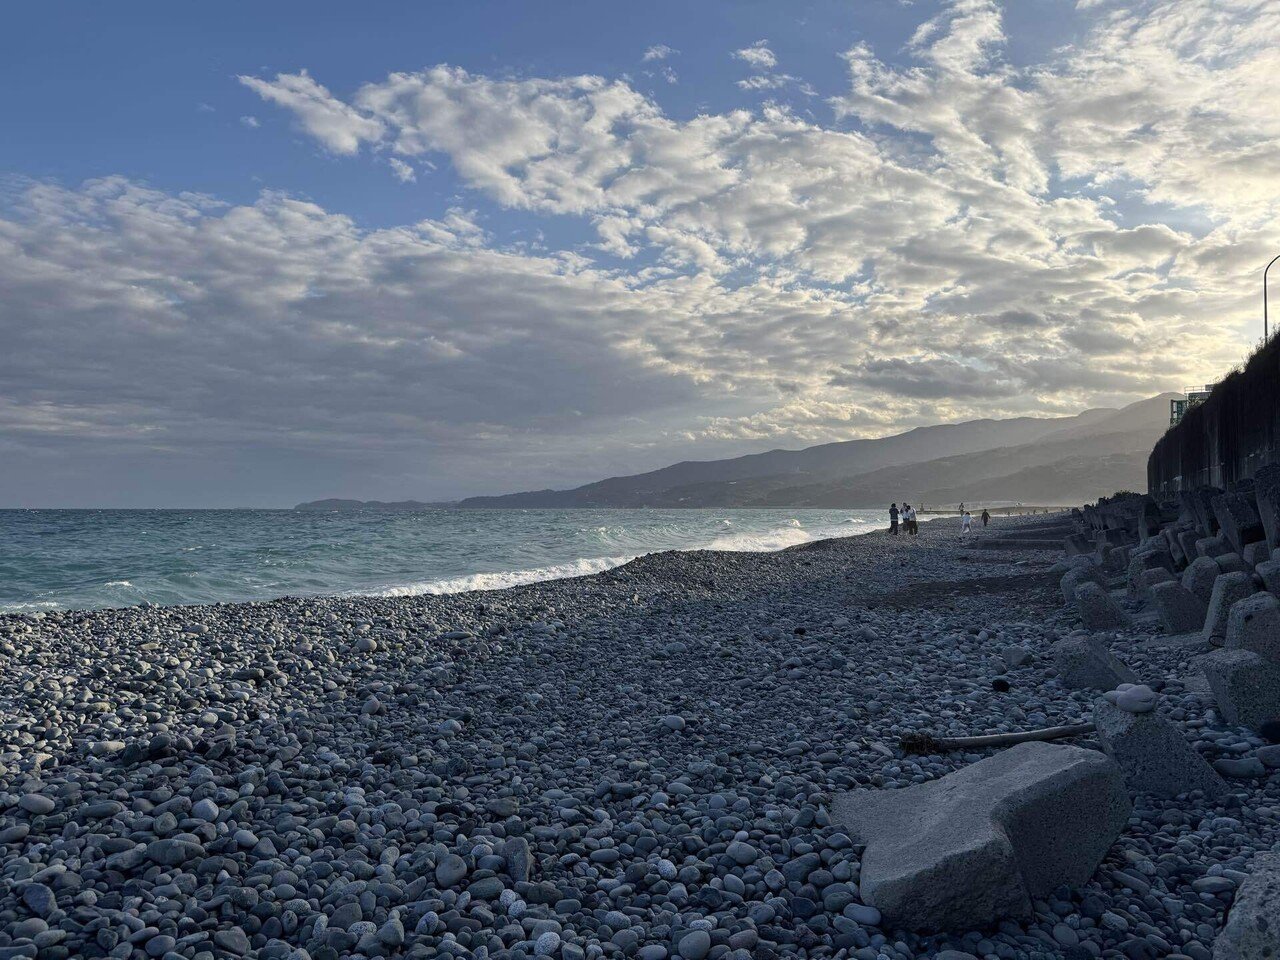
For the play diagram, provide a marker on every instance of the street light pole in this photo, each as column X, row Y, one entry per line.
column 1265, row 327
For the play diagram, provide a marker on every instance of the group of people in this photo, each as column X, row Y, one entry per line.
column 907, row 515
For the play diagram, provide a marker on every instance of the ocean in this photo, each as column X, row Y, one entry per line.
column 85, row 559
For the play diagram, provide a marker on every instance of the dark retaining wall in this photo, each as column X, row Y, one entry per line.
column 1226, row 438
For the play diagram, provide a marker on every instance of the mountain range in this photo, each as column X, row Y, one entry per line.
column 1045, row 461
column 1063, row 460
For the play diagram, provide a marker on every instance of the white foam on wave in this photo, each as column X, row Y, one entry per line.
column 500, row 580
column 761, row 541
column 117, row 583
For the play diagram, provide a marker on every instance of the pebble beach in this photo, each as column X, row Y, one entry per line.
column 635, row 764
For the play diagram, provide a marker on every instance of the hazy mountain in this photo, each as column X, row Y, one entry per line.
column 335, row 503
column 1095, row 448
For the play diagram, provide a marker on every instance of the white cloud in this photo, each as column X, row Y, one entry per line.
column 403, row 171
column 251, row 122
column 336, row 125
column 659, row 51
column 970, row 239
column 758, row 55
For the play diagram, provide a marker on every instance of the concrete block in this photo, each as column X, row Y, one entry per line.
column 1245, row 686
column 1256, row 553
column 1254, row 625
column 1154, row 756
column 1152, row 578
column 1212, row 546
column 1082, row 664
column 1231, row 563
column 1266, row 496
column 1269, row 571
column 1237, row 519
column 1076, row 576
column 1077, row 544
column 1170, row 535
column 1252, row 930
column 978, row 845
column 1200, row 576
column 1227, row 590
column 1143, row 560
column 1097, row 609
column 1187, row 541
column 1202, row 507
column 1180, row 610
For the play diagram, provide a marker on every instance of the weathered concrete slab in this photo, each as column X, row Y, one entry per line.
column 1266, row 495
column 1154, row 756
column 1237, row 519
column 1269, row 571
column 1254, row 625
column 1076, row 576
column 1245, row 686
column 1083, row 664
column 1180, row 610
column 1097, row 609
column 1252, row 930
column 1212, row 546
column 980, row 844
column 1228, row 589
column 1199, row 577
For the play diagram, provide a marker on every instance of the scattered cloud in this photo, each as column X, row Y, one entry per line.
column 659, row 51
column 404, row 173
column 966, row 238
column 758, row 55
column 338, row 127
column 251, row 122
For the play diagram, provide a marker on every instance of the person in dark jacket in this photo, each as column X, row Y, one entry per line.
column 893, row 519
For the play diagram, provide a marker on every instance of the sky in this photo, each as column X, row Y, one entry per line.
column 253, row 254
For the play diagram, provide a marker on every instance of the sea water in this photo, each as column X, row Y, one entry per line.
column 81, row 559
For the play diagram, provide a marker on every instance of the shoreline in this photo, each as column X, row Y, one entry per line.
column 470, row 773
column 236, row 565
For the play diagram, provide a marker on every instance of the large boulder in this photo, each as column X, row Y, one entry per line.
column 1252, row 930
column 1097, row 609
column 1154, row 756
column 1228, row 589
column 980, row 844
column 1180, row 610
column 1083, row 664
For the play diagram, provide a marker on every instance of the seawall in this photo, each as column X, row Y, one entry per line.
column 1226, row 439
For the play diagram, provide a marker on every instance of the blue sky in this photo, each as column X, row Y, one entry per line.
column 251, row 254
column 148, row 90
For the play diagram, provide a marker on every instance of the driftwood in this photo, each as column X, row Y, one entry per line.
column 927, row 743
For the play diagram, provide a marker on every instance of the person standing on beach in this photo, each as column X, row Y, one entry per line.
column 986, row 517
column 966, row 523
column 909, row 518
column 893, row 518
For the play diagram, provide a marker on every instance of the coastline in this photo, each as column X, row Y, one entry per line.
column 392, row 775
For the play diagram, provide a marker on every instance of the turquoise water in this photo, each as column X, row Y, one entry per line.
column 80, row 559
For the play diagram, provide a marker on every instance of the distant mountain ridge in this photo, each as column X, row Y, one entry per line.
column 336, row 503
column 1057, row 460
column 927, row 463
